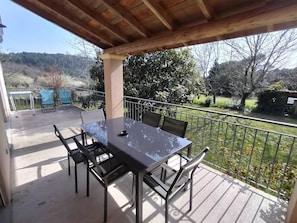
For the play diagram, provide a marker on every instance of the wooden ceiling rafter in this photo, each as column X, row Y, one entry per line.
column 126, row 16
column 84, row 26
column 206, row 9
column 54, row 18
column 160, row 13
column 209, row 30
column 102, row 23
column 242, row 9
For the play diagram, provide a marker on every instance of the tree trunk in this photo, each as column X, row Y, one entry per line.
column 214, row 97
column 242, row 100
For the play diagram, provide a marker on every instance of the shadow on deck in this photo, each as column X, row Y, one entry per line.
column 43, row 191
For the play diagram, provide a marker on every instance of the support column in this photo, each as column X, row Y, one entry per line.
column 292, row 207
column 114, row 85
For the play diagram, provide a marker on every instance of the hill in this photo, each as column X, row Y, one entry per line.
column 30, row 70
column 69, row 64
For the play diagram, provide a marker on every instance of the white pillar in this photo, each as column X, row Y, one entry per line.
column 114, row 85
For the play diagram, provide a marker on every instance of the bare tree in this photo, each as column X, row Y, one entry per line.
column 259, row 55
column 206, row 56
column 86, row 50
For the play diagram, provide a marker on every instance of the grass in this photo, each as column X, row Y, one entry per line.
column 224, row 102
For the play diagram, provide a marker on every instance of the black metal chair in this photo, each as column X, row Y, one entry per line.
column 176, row 180
column 174, row 126
column 151, row 118
column 105, row 172
column 75, row 153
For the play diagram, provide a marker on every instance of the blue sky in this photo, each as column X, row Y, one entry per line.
column 27, row 32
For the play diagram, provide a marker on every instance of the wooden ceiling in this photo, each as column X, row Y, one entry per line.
column 139, row 26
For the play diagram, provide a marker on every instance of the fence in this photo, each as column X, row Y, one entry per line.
column 261, row 157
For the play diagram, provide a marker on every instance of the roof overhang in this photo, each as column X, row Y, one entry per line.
column 139, row 26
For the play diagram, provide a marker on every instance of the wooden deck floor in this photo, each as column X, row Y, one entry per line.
column 43, row 191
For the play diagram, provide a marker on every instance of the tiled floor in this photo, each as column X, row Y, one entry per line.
column 43, row 191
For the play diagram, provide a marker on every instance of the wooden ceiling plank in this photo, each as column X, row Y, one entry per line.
column 52, row 17
column 210, row 30
column 206, row 9
column 161, row 14
column 127, row 17
column 241, row 9
column 73, row 19
column 103, row 23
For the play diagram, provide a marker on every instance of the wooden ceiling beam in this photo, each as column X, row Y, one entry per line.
column 55, row 19
column 161, row 14
column 102, row 23
column 85, row 26
column 240, row 23
column 127, row 17
column 206, row 10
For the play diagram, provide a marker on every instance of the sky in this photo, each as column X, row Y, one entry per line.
column 28, row 32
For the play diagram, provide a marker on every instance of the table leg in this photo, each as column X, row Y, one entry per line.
column 189, row 152
column 83, row 137
column 138, row 197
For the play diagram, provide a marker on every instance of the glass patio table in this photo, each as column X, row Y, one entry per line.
column 141, row 147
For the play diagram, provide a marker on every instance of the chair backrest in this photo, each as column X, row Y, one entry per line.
column 188, row 168
column 65, row 96
column 47, row 97
column 151, row 118
column 62, row 139
column 92, row 116
column 174, row 126
column 90, row 155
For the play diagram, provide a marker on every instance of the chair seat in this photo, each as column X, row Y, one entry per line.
column 111, row 168
column 162, row 186
column 77, row 156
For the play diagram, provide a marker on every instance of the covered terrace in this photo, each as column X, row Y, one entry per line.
column 130, row 27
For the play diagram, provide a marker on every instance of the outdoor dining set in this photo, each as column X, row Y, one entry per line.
column 112, row 148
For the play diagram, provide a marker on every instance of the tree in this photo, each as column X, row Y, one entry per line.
column 97, row 75
column 259, row 54
column 88, row 52
column 288, row 77
column 164, row 75
column 205, row 55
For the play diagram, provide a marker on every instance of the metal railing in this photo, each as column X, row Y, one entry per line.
column 84, row 98
column 261, row 157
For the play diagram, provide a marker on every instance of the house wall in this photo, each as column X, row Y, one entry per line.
column 5, row 186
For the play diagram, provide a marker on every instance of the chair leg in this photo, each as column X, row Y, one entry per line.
column 166, row 211
column 75, row 169
column 68, row 164
column 191, row 194
column 105, row 203
column 88, row 176
column 133, row 190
